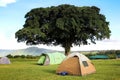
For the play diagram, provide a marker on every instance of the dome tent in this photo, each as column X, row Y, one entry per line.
column 76, row 64
column 51, row 58
column 4, row 60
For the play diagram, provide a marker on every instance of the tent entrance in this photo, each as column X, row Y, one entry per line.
column 44, row 60
column 47, row 61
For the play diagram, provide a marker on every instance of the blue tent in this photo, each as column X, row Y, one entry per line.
column 118, row 55
column 99, row 57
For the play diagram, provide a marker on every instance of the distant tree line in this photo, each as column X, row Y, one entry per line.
column 23, row 56
column 112, row 54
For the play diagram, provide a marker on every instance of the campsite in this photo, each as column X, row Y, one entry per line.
column 27, row 69
column 50, row 65
column 59, row 40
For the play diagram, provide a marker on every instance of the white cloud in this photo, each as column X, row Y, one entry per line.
column 4, row 3
column 9, row 42
column 100, row 45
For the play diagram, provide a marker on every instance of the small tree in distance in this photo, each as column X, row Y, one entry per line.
column 64, row 25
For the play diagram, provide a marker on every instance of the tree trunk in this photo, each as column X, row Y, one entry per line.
column 67, row 50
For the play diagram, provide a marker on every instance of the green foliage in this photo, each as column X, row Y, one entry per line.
column 30, row 57
column 90, row 54
column 22, row 57
column 17, row 56
column 112, row 56
column 9, row 56
column 117, row 52
column 64, row 25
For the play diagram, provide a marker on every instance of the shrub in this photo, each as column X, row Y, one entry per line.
column 9, row 56
column 112, row 56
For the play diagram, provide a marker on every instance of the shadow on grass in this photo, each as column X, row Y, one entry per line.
column 117, row 64
column 114, row 64
column 35, row 64
column 50, row 71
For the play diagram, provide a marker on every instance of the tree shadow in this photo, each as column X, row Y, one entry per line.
column 117, row 64
column 34, row 63
column 49, row 71
column 114, row 64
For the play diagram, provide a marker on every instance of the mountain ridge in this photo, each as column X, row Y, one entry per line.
column 35, row 51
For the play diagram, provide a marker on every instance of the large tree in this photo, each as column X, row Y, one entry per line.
column 64, row 25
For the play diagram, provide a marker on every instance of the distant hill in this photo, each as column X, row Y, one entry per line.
column 5, row 52
column 35, row 51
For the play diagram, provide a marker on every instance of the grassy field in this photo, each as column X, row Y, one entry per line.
column 29, row 70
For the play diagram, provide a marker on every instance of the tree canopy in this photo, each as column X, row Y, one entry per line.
column 64, row 25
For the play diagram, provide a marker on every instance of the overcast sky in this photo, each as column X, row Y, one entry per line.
column 12, row 14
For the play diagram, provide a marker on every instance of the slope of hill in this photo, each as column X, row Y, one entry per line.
column 35, row 51
column 5, row 52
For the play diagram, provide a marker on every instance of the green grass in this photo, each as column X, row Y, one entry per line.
column 29, row 70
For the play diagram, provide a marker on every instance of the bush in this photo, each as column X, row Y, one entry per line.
column 9, row 56
column 23, row 56
column 17, row 56
column 112, row 56
column 118, row 52
column 30, row 57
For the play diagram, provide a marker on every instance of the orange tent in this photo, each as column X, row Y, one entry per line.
column 76, row 64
